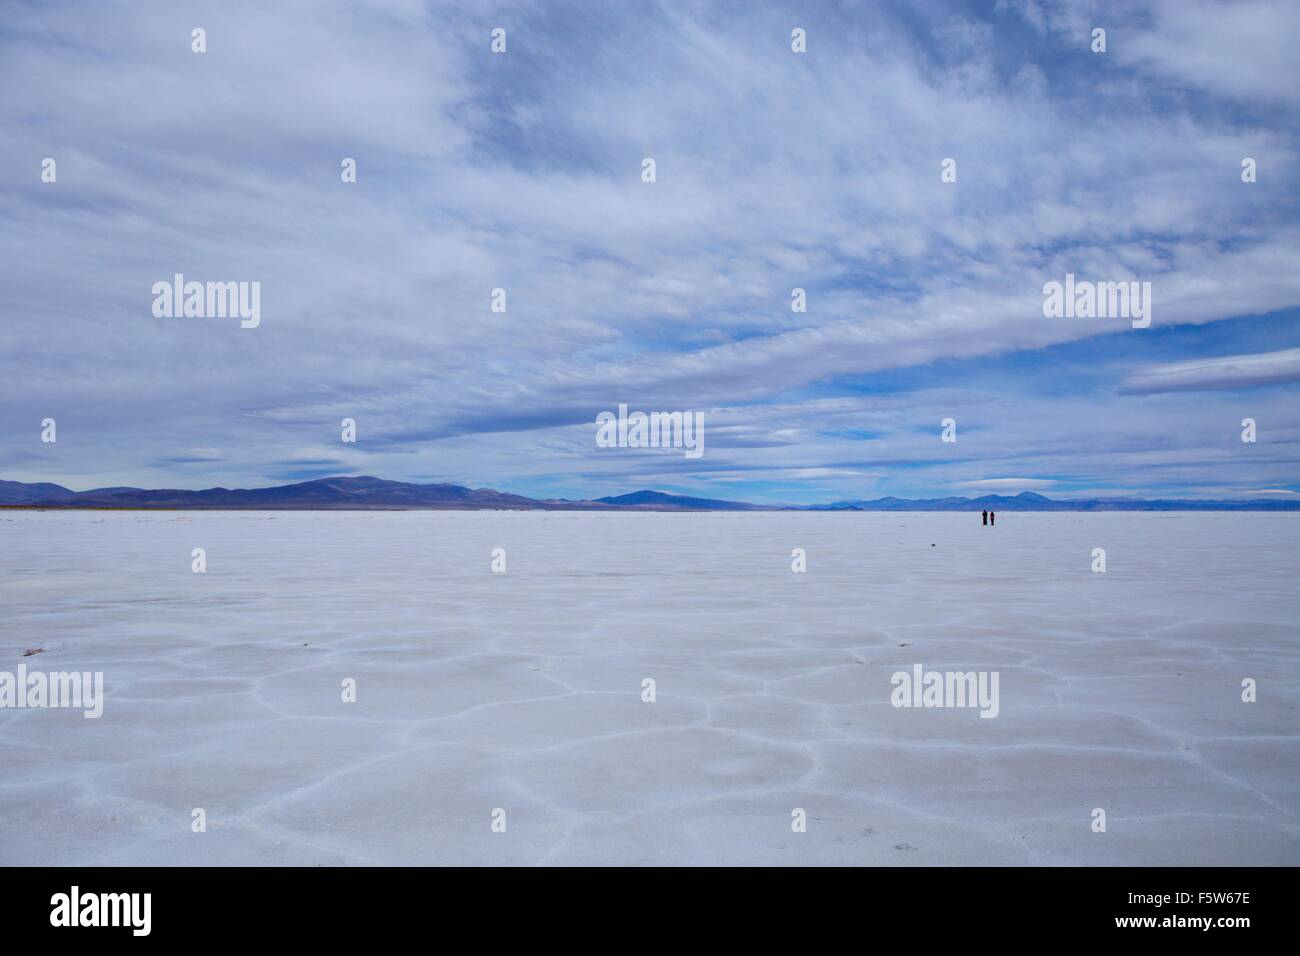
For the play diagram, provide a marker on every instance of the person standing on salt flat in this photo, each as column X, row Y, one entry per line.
column 986, row 515
column 993, row 517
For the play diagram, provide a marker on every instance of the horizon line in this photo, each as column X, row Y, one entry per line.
column 1280, row 499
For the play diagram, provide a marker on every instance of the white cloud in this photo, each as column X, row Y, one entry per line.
column 1229, row 371
column 1007, row 484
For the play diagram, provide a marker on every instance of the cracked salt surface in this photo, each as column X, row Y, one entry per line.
column 523, row 690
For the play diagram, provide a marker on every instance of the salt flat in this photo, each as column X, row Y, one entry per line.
column 523, row 691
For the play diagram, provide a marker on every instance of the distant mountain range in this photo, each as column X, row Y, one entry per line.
column 646, row 500
column 375, row 493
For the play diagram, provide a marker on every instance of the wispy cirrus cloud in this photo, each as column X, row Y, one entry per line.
column 1223, row 372
column 1006, row 484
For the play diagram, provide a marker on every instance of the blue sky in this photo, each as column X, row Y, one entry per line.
column 775, row 170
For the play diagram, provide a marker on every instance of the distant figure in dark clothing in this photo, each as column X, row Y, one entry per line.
column 986, row 515
column 993, row 517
